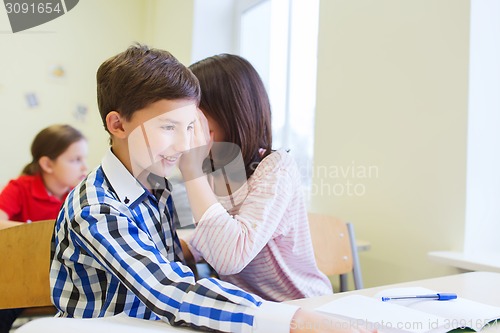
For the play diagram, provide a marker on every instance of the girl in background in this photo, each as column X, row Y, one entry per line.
column 59, row 163
column 252, row 228
column 59, row 153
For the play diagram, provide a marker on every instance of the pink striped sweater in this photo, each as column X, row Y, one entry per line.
column 259, row 239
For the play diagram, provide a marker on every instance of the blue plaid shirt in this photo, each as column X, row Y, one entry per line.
column 115, row 251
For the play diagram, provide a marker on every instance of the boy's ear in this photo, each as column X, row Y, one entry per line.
column 114, row 124
column 45, row 164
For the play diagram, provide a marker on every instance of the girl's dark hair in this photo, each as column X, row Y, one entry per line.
column 139, row 76
column 51, row 142
column 233, row 95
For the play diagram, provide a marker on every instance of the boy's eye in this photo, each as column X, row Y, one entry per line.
column 168, row 127
column 190, row 127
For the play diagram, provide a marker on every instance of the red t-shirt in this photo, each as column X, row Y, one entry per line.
column 26, row 198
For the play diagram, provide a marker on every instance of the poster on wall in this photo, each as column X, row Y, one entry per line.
column 80, row 112
column 57, row 73
column 31, row 100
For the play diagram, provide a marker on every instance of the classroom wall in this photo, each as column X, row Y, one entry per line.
column 169, row 26
column 391, row 121
column 78, row 42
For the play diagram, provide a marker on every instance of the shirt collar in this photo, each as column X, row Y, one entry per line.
column 127, row 187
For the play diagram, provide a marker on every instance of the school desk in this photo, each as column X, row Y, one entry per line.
column 478, row 286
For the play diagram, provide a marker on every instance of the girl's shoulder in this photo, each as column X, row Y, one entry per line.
column 23, row 185
column 280, row 157
column 26, row 180
column 278, row 160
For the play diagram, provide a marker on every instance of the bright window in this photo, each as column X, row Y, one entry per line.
column 279, row 37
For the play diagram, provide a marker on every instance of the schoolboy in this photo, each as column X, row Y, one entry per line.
column 116, row 249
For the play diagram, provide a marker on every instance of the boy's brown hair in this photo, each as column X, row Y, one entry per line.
column 139, row 76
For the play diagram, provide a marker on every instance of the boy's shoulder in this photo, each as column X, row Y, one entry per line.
column 93, row 189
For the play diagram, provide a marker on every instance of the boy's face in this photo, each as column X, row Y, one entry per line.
column 159, row 134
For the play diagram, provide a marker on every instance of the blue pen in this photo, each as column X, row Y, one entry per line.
column 438, row 297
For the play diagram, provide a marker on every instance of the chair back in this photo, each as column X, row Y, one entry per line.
column 335, row 248
column 332, row 247
column 25, row 265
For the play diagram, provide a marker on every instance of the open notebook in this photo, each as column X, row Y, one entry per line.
column 412, row 315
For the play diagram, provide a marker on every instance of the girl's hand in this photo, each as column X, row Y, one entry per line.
column 201, row 142
column 202, row 135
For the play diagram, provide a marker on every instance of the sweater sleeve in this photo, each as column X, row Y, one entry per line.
column 228, row 243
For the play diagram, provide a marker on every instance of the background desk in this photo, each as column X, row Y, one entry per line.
column 478, row 286
column 485, row 261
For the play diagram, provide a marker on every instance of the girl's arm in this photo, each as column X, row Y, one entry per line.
column 188, row 256
column 4, row 223
column 228, row 242
column 200, row 194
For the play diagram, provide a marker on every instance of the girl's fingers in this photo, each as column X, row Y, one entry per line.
column 211, row 140
column 198, row 136
column 203, row 126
